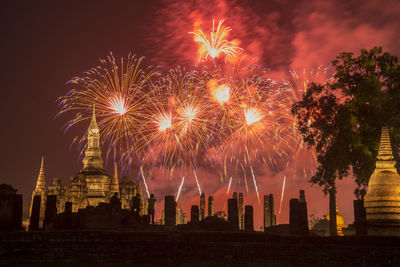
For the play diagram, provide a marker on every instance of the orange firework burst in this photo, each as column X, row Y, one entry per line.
column 118, row 94
column 221, row 115
column 163, row 121
column 118, row 105
column 252, row 115
column 177, row 127
column 216, row 43
column 220, row 93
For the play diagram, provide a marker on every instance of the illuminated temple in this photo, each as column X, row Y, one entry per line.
column 92, row 185
column 382, row 201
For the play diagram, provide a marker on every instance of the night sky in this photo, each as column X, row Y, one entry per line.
column 46, row 44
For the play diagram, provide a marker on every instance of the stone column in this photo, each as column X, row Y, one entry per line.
column 50, row 212
column 267, row 219
column 303, row 214
column 298, row 222
column 272, row 210
column 68, row 217
column 170, row 211
column 293, row 216
column 240, row 212
column 179, row 216
column 10, row 208
column 35, row 214
column 332, row 214
column 210, row 206
column 17, row 212
column 248, row 218
column 360, row 217
column 235, row 195
column 68, row 207
column 269, row 216
column 194, row 214
column 202, row 206
column 233, row 217
column 302, row 198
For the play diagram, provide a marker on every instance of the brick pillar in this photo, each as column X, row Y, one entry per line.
column 194, row 214
column 233, row 217
column 202, row 206
column 332, row 211
column 298, row 222
column 35, row 214
column 240, row 212
column 248, row 218
column 68, row 207
column 51, row 211
column 302, row 198
column 269, row 216
column 17, row 212
column 303, row 214
column 170, row 210
column 360, row 217
column 210, row 206
column 235, row 195
column 272, row 210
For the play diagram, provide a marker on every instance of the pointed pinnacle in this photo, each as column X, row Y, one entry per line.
column 93, row 122
column 41, row 182
column 385, row 147
column 42, row 165
column 115, row 171
column 114, row 180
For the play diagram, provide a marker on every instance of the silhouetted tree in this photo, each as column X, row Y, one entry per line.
column 343, row 117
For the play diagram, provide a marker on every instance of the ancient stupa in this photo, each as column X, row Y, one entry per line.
column 339, row 223
column 382, row 201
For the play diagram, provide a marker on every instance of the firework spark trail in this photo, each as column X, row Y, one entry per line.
column 255, row 186
column 197, row 181
column 180, row 188
column 283, row 191
column 227, row 192
column 178, row 127
column 224, row 115
column 118, row 94
column 291, row 91
column 216, row 43
column 245, row 178
column 144, row 181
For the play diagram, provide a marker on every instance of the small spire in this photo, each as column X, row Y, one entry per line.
column 41, row 182
column 385, row 147
column 93, row 122
column 114, row 181
column 115, row 171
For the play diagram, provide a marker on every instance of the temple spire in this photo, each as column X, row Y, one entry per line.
column 385, row 147
column 93, row 123
column 41, row 182
column 93, row 158
column 385, row 160
column 114, row 181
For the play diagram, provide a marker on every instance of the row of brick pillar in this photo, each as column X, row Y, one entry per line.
column 50, row 212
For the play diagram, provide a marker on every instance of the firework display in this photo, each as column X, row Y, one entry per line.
column 216, row 42
column 224, row 115
column 118, row 95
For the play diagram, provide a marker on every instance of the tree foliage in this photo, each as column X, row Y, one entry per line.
column 343, row 117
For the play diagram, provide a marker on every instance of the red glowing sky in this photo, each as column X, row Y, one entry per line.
column 46, row 44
